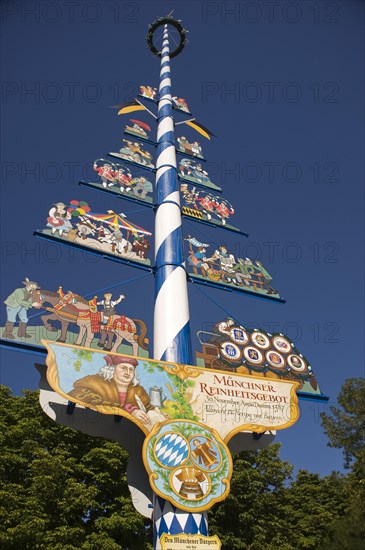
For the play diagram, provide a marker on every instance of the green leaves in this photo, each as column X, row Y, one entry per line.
column 62, row 489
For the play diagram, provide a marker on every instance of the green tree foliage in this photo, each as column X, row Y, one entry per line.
column 61, row 489
column 265, row 512
column 345, row 428
column 64, row 490
column 345, row 425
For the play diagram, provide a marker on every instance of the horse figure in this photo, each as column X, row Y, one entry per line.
column 60, row 311
column 89, row 321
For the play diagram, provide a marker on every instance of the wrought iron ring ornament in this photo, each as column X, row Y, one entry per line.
column 152, row 28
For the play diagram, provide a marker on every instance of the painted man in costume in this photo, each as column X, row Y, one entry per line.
column 244, row 271
column 115, row 385
column 109, row 305
column 17, row 305
column 265, row 277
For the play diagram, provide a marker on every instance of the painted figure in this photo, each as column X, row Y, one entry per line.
column 226, row 261
column 243, row 270
column 185, row 146
column 59, row 219
column 204, row 454
column 109, row 306
column 106, row 174
column 180, row 103
column 199, row 260
column 116, row 385
column 17, row 304
column 133, row 151
column 120, row 244
column 122, row 177
column 148, row 91
column 141, row 246
column 141, row 186
column 222, row 210
column 265, row 277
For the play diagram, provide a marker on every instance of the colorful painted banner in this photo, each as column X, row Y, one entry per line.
column 150, row 392
column 110, row 233
column 134, row 153
column 231, row 347
column 190, row 171
column 221, row 268
column 34, row 314
column 206, row 207
column 122, row 181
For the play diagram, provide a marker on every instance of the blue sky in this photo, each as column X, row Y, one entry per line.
column 282, row 88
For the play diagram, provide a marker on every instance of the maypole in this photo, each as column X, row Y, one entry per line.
column 171, row 315
column 175, row 413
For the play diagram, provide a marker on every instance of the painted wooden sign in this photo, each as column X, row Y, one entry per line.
column 188, row 414
column 35, row 313
column 191, row 171
column 186, row 148
column 109, row 233
column 231, row 347
column 151, row 392
column 207, row 207
column 134, row 153
column 140, row 130
column 151, row 94
column 220, row 267
column 121, row 180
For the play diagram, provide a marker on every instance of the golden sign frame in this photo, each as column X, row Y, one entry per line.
column 181, row 371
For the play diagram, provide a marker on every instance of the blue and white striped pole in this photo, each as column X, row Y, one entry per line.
column 171, row 316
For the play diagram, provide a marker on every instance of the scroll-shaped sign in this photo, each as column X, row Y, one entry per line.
column 34, row 313
column 207, row 207
column 107, row 233
column 231, row 347
column 134, row 153
column 121, row 180
column 219, row 267
column 191, row 171
column 187, row 413
column 150, row 392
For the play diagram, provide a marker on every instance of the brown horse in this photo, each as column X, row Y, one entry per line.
column 65, row 314
column 90, row 323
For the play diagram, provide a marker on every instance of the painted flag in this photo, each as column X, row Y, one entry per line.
column 195, row 242
column 130, row 107
column 200, row 128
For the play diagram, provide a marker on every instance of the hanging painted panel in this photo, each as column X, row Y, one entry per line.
column 34, row 313
column 135, row 154
column 109, row 233
column 231, row 347
column 219, row 267
column 191, row 171
column 207, row 207
column 121, row 180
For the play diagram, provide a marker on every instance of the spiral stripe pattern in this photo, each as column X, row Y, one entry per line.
column 171, row 319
